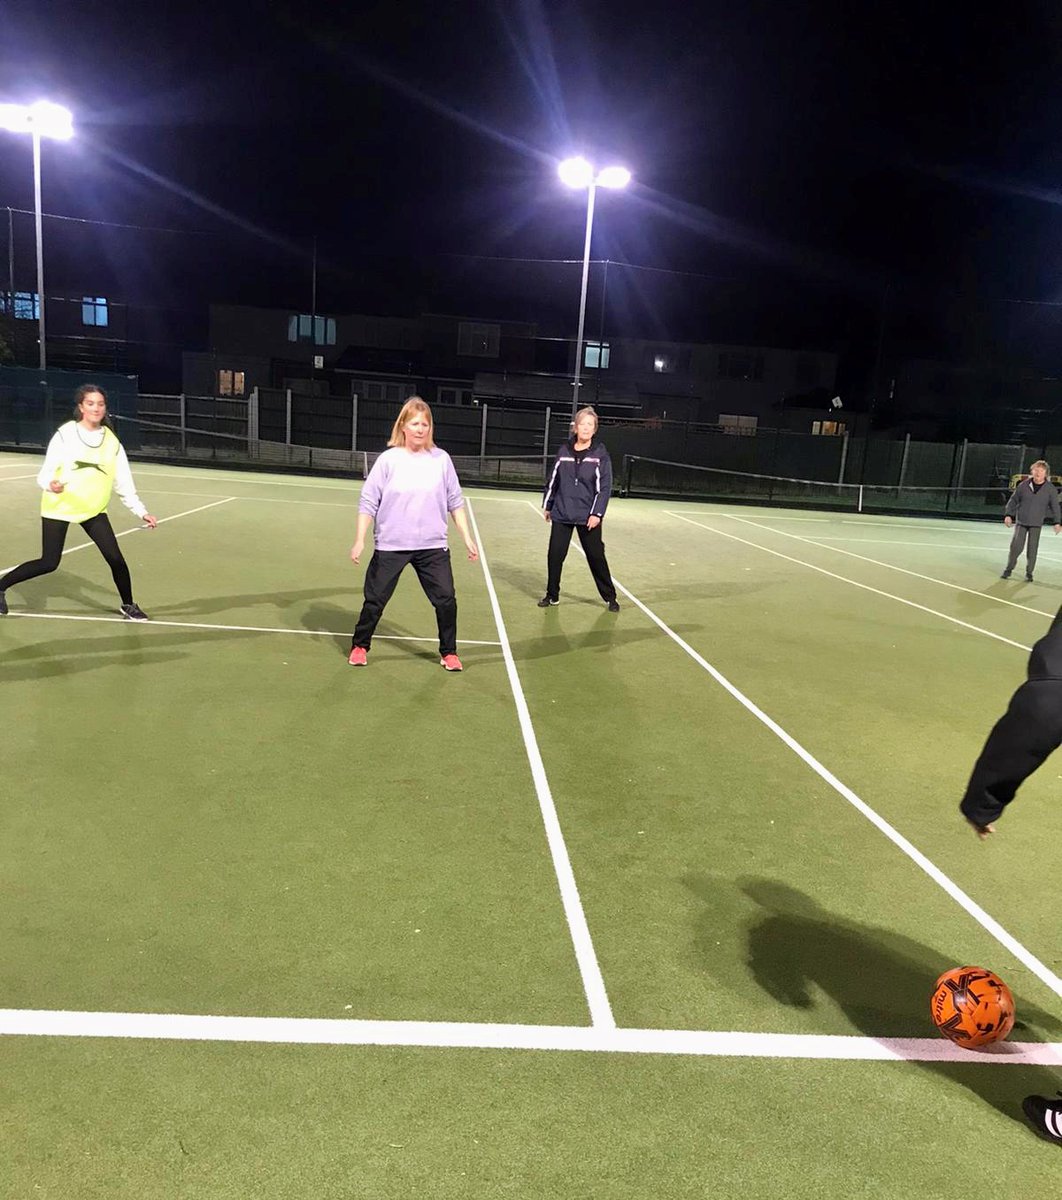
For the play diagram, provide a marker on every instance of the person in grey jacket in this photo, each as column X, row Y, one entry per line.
column 1034, row 500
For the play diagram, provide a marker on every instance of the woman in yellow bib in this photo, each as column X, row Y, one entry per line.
column 82, row 465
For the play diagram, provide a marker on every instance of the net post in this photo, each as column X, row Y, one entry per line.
column 859, row 505
column 354, row 423
column 545, row 440
column 184, row 426
column 844, row 457
column 482, row 440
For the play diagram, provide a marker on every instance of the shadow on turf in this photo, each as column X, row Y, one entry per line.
column 880, row 979
column 71, row 656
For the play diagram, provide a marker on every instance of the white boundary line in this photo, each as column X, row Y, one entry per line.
column 589, row 969
column 393, row 637
column 139, row 528
column 10, row 478
column 890, row 566
column 854, row 583
column 446, row 1034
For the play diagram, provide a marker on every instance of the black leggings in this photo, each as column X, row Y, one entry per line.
column 53, row 538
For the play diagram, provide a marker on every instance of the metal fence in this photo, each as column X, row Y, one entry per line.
column 279, row 428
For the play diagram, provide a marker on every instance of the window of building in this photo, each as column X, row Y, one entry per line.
column 452, row 395
column 596, row 355
column 231, row 383
column 663, row 364
column 371, row 389
column 26, row 306
column 478, row 340
column 94, row 311
column 828, row 428
column 740, row 365
column 305, row 327
column 738, row 423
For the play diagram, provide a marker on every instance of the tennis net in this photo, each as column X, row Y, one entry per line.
column 175, row 442
column 657, row 477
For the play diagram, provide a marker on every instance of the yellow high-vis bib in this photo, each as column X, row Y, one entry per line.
column 87, row 473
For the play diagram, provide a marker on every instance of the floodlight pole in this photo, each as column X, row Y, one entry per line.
column 590, row 193
column 40, row 242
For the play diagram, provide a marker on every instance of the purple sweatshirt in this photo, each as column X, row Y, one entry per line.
column 409, row 496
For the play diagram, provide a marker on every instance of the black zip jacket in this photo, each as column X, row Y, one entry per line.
column 577, row 491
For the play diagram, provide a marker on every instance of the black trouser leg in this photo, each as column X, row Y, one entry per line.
column 560, row 537
column 437, row 579
column 1032, row 547
column 593, row 544
column 1020, row 742
column 381, row 579
column 99, row 530
column 1017, row 544
column 53, row 538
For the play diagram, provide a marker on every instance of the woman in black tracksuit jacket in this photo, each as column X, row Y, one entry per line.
column 576, row 497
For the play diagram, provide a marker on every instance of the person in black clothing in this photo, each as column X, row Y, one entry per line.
column 1034, row 499
column 1022, row 738
column 576, row 498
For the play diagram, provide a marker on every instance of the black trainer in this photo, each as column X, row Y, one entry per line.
column 133, row 612
column 613, row 606
column 1005, row 575
column 1045, row 1116
column 1028, row 579
column 547, row 602
column 3, row 604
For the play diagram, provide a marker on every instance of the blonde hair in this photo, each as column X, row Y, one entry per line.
column 585, row 412
column 413, row 407
column 1039, row 463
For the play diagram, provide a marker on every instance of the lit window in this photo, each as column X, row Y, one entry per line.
column 828, row 428
column 230, row 383
column 305, row 327
column 94, row 310
column 738, row 423
column 596, row 355
column 663, row 364
column 27, row 306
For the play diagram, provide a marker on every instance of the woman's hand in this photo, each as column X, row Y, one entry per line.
column 593, row 522
column 56, row 486
column 546, row 515
column 473, row 551
column 149, row 520
column 356, row 550
column 1008, row 522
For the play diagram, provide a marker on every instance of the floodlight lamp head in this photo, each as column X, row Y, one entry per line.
column 43, row 118
column 836, row 402
column 576, row 173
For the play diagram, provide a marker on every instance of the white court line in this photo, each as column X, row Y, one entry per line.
column 393, row 637
column 854, row 583
column 452, row 1034
column 589, row 969
column 10, row 478
column 892, row 567
column 139, row 528
column 1026, row 957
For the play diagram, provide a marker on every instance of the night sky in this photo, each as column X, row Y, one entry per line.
column 801, row 151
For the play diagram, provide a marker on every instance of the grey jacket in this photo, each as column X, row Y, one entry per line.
column 1033, row 508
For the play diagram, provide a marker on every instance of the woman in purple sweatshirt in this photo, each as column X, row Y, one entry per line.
column 409, row 493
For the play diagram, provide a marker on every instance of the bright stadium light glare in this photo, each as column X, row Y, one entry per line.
column 43, row 119
column 614, row 177
column 576, row 172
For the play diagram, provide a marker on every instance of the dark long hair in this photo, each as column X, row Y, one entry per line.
column 87, row 389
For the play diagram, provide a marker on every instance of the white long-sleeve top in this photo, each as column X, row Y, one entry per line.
column 61, row 449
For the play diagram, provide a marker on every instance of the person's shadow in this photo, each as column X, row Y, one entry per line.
column 881, row 980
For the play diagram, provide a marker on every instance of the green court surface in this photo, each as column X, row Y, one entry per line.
column 646, row 904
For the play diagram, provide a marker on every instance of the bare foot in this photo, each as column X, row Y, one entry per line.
column 982, row 831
